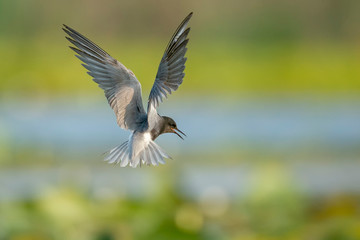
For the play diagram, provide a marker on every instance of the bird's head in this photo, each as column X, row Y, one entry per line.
column 170, row 127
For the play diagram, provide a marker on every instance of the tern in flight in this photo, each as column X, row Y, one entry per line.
column 123, row 92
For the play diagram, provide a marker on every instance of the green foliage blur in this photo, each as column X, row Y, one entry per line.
column 267, row 213
column 236, row 48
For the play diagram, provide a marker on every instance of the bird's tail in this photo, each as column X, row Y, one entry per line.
column 151, row 154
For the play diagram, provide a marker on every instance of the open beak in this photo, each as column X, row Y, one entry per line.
column 177, row 131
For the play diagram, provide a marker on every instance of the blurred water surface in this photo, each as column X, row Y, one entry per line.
column 318, row 143
column 283, row 124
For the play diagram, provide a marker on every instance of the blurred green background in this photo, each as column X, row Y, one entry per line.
column 270, row 103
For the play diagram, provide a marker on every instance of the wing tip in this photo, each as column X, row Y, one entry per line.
column 187, row 19
column 67, row 29
column 190, row 15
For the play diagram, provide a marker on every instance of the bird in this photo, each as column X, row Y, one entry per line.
column 123, row 92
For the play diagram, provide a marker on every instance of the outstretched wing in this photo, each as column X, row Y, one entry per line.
column 171, row 70
column 122, row 89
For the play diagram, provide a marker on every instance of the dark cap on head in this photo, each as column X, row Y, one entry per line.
column 170, row 127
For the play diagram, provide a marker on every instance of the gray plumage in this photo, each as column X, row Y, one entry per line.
column 123, row 92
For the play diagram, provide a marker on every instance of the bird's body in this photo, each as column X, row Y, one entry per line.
column 123, row 92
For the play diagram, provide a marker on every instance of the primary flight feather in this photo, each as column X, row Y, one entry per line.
column 123, row 92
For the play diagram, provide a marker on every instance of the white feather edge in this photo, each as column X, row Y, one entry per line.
column 151, row 154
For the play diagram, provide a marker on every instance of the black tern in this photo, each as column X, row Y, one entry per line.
column 123, row 92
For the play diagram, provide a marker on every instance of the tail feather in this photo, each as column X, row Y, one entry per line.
column 124, row 158
column 135, row 161
column 113, row 153
column 162, row 151
column 158, row 157
column 152, row 154
column 147, row 158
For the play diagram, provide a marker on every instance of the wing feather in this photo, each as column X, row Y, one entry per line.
column 170, row 72
column 122, row 89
